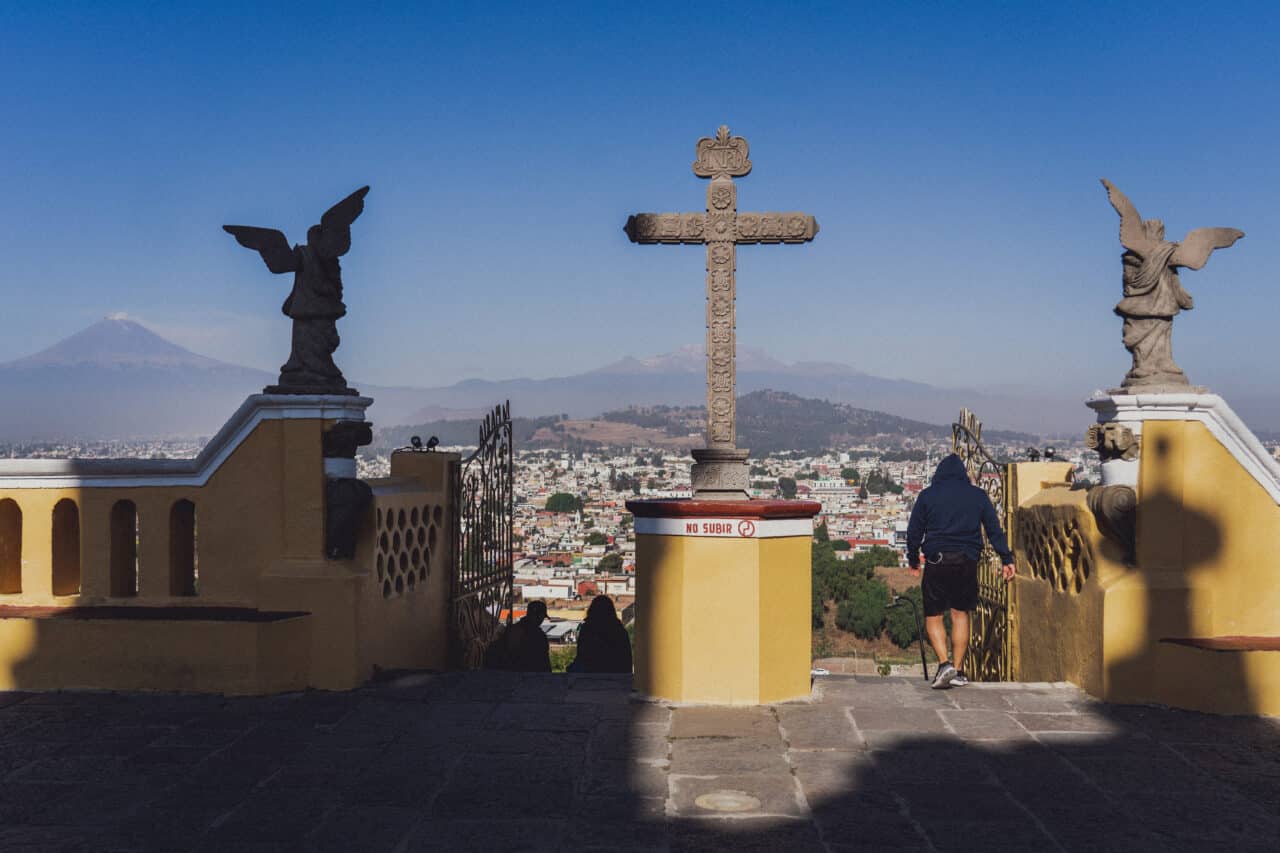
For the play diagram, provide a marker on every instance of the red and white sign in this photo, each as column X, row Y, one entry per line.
column 725, row 528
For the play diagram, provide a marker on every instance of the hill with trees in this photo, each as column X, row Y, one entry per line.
column 768, row 422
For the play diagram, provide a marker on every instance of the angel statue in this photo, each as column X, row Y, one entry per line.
column 1153, row 295
column 315, row 303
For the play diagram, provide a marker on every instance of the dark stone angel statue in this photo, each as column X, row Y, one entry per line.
column 315, row 303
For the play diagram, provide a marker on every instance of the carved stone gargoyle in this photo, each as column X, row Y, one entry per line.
column 1112, row 441
column 1115, row 509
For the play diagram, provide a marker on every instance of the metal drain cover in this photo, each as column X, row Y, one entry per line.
column 727, row 801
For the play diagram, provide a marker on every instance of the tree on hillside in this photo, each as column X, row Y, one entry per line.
column 840, row 545
column 787, row 486
column 864, row 613
column 564, row 502
column 850, row 475
column 878, row 482
column 595, row 537
column 611, row 562
column 862, row 493
column 820, row 533
column 866, row 562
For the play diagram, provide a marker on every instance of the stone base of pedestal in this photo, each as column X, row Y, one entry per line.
column 723, row 602
column 720, row 474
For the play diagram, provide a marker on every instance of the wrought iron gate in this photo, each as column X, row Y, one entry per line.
column 481, row 593
column 990, row 628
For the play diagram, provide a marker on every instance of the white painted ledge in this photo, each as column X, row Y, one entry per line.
column 130, row 473
column 1208, row 409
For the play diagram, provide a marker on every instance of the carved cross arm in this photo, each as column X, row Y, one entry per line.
column 789, row 227
column 667, row 228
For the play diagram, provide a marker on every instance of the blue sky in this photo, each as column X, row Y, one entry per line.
column 950, row 151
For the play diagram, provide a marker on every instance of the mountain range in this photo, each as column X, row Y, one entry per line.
column 118, row 379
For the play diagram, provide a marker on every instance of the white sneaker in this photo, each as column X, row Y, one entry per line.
column 960, row 680
column 944, row 676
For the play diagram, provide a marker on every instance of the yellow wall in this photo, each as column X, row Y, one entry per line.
column 1207, row 534
column 1030, row 478
column 1204, row 520
column 722, row 621
column 208, row 657
column 1058, row 634
column 242, row 516
column 260, row 531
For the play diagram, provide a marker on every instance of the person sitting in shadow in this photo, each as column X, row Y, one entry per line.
column 603, row 644
column 523, row 647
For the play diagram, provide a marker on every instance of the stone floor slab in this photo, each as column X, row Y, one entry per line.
column 715, row 756
column 972, row 724
column 914, row 720
column 777, row 794
column 694, row 722
column 746, row 835
column 817, row 727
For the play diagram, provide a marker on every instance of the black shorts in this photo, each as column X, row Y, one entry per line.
column 950, row 586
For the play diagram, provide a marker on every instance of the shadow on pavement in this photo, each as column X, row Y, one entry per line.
column 503, row 761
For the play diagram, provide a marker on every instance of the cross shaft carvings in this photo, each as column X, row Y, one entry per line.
column 721, row 227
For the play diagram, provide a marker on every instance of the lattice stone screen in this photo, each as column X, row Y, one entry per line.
column 409, row 537
column 1057, row 550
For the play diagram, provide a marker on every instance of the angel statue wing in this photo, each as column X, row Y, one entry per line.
column 335, row 225
column 1132, row 235
column 269, row 243
column 1193, row 252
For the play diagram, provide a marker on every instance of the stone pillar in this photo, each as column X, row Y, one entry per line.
column 723, row 601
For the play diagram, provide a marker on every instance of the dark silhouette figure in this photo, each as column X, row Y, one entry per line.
column 603, row 644
column 315, row 303
column 523, row 647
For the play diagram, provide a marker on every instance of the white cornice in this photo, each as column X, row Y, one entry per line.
column 134, row 473
column 1208, row 409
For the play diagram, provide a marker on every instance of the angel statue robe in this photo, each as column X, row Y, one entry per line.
column 1153, row 296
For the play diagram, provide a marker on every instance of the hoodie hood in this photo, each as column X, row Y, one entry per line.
column 950, row 468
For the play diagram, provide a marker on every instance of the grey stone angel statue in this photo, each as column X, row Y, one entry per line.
column 1153, row 294
column 315, row 303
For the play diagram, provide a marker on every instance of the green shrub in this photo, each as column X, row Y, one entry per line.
column 863, row 613
column 901, row 622
column 562, row 656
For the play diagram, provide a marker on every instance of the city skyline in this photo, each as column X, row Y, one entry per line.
column 951, row 157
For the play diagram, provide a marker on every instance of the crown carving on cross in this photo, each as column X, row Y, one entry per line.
column 722, row 156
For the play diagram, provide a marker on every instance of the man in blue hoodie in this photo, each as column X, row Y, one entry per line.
column 947, row 523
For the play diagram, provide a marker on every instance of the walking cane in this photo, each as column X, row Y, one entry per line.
column 898, row 599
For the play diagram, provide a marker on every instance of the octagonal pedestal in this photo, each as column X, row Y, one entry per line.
column 723, row 601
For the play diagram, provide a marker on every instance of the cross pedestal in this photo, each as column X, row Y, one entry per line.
column 723, row 600
column 720, row 469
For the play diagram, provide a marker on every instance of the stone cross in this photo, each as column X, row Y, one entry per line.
column 720, row 469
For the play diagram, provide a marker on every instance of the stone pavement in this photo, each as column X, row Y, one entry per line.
column 495, row 761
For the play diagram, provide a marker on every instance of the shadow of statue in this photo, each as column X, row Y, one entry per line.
column 1177, row 547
